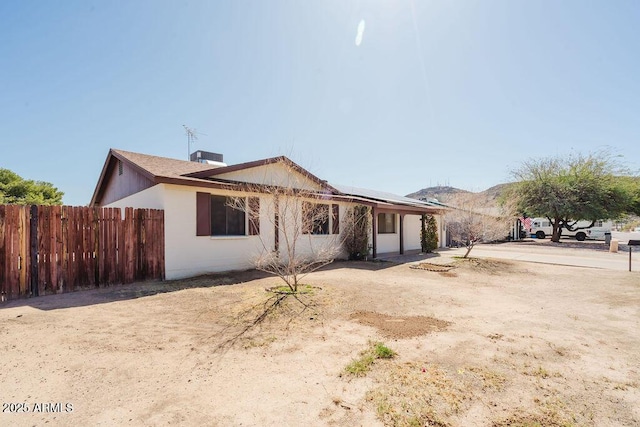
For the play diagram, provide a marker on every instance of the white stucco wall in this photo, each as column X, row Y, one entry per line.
column 442, row 237
column 150, row 198
column 306, row 243
column 412, row 227
column 272, row 174
column 388, row 242
column 188, row 255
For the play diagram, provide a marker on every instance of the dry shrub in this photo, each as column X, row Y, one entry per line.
column 413, row 394
column 487, row 265
column 258, row 317
column 546, row 419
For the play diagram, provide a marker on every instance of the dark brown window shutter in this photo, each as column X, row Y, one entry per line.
column 254, row 216
column 203, row 214
column 335, row 217
column 276, row 223
column 307, row 217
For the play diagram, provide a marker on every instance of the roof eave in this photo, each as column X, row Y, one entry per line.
column 407, row 209
column 257, row 163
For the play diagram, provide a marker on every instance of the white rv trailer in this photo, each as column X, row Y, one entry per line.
column 541, row 228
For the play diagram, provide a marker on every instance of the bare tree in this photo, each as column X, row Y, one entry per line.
column 470, row 221
column 302, row 234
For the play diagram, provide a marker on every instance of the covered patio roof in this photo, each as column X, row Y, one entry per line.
column 389, row 202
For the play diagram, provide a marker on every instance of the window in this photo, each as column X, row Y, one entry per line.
column 386, row 223
column 225, row 220
column 315, row 218
column 119, row 167
column 216, row 217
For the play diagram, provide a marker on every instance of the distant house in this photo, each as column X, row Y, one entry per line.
column 202, row 234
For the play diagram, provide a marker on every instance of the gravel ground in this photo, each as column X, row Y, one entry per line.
column 488, row 342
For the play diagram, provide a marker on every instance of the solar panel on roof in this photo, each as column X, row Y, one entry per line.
column 381, row 195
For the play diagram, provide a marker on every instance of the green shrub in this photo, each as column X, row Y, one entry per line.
column 381, row 351
column 377, row 350
column 429, row 234
column 356, row 224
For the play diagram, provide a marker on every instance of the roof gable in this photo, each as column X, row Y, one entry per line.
column 145, row 166
column 278, row 171
column 121, row 180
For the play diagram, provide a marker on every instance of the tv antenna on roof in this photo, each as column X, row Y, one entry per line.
column 192, row 136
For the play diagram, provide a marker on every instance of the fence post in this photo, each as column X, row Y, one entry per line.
column 632, row 243
column 33, row 250
column 4, row 288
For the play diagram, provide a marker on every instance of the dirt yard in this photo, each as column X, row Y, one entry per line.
column 492, row 343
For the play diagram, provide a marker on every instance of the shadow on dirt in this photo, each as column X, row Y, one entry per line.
column 92, row 296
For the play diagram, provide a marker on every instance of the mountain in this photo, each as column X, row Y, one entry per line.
column 442, row 193
column 494, row 193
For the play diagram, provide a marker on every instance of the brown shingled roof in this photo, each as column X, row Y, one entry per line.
column 161, row 166
column 156, row 169
column 182, row 172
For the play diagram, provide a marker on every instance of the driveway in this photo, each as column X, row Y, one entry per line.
column 548, row 253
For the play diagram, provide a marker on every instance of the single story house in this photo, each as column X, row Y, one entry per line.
column 205, row 233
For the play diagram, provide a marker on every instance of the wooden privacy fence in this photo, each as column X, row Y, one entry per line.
column 53, row 249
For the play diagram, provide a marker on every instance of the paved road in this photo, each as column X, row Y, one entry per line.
column 547, row 254
column 625, row 237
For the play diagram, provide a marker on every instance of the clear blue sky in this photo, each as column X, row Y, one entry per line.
column 437, row 92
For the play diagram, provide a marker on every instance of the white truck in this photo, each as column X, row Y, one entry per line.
column 541, row 228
